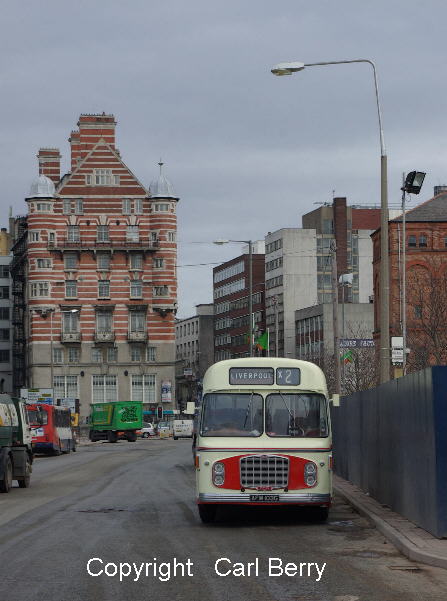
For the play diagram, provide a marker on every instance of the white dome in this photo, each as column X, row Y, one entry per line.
column 42, row 187
column 161, row 187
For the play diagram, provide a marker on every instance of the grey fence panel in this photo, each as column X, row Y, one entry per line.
column 391, row 441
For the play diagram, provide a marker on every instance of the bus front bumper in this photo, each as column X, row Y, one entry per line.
column 280, row 499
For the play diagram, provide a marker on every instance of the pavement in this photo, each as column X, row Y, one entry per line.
column 414, row 542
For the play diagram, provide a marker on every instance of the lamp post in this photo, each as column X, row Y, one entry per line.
column 293, row 67
column 412, row 184
column 250, row 287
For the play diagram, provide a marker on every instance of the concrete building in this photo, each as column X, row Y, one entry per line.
column 231, row 300
column 95, row 262
column 5, row 314
column 194, row 352
column 298, row 265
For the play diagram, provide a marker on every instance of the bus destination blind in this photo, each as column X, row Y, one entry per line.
column 252, row 375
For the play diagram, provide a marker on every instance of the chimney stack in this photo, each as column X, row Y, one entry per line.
column 50, row 163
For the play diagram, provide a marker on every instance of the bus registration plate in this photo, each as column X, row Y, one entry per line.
column 264, row 498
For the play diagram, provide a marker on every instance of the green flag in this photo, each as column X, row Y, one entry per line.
column 263, row 341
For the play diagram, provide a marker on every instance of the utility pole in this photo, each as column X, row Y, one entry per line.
column 335, row 317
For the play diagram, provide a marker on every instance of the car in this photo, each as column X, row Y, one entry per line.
column 147, row 430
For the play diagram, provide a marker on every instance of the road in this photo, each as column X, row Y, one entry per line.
column 131, row 503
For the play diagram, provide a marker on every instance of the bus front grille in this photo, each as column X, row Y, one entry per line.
column 264, row 471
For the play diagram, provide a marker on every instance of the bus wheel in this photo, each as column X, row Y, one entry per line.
column 320, row 514
column 132, row 437
column 6, row 482
column 25, row 481
column 207, row 513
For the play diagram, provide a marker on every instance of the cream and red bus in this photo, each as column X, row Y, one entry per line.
column 264, row 436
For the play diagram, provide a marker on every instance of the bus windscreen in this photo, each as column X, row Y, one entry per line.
column 232, row 414
column 296, row 415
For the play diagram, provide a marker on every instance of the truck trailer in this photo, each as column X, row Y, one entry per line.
column 115, row 420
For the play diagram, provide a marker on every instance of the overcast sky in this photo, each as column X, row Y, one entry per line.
column 190, row 82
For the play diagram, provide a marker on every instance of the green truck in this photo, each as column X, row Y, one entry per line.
column 117, row 420
column 16, row 454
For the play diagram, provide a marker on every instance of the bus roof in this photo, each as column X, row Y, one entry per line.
column 217, row 377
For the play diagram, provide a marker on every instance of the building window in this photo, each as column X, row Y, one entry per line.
column 412, row 241
column 4, row 271
column 4, row 291
column 136, row 261
column 102, row 233
column 79, row 206
column 88, row 179
column 5, row 356
column 104, row 321
column 71, row 322
column 138, row 206
column 418, row 311
column 154, row 236
column 150, row 353
column 73, row 233
column 51, row 237
column 42, row 264
column 112, row 354
column 127, row 206
column 136, row 289
column 4, row 334
column 34, row 236
column 66, row 206
column 105, row 177
column 104, row 288
column 65, row 386
column 161, row 291
column 135, row 353
column 422, row 240
column 71, row 289
column 104, row 388
column 158, row 263
column 143, row 388
column 74, row 354
column 70, row 261
column 103, row 261
column 133, row 233
column 4, row 313
column 161, row 207
column 171, row 236
column 58, row 355
column 137, row 321
column 39, row 289
column 96, row 355
column 43, row 207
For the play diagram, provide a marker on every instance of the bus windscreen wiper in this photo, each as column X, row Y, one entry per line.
column 248, row 410
column 286, row 405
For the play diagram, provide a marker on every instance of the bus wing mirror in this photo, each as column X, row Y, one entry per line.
column 335, row 400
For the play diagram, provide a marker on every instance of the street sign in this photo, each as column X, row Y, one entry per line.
column 356, row 343
column 397, row 349
column 37, row 395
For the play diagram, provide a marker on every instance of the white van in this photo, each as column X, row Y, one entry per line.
column 183, row 428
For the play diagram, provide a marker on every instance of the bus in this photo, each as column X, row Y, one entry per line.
column 264, row 436
column 51, row 429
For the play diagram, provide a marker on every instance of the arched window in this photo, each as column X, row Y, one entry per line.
column 422, row 241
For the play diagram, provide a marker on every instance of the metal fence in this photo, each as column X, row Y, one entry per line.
column 391, row 441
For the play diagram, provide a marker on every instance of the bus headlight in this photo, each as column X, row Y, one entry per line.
column 218, row 473
column 310, row 473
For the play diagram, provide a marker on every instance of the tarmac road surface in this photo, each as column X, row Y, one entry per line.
column 133, row 504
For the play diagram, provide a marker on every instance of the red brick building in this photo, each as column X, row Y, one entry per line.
column 231, row 294
column 101, row 284
column 426, row 287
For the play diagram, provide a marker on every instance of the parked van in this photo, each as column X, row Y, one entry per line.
column 183, row 428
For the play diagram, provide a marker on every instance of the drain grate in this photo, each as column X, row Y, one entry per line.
column 406, row 568
column 104, row 510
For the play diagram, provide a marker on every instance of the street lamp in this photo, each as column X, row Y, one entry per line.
column 250, row 286
column 412, row 184
column 293, row 67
